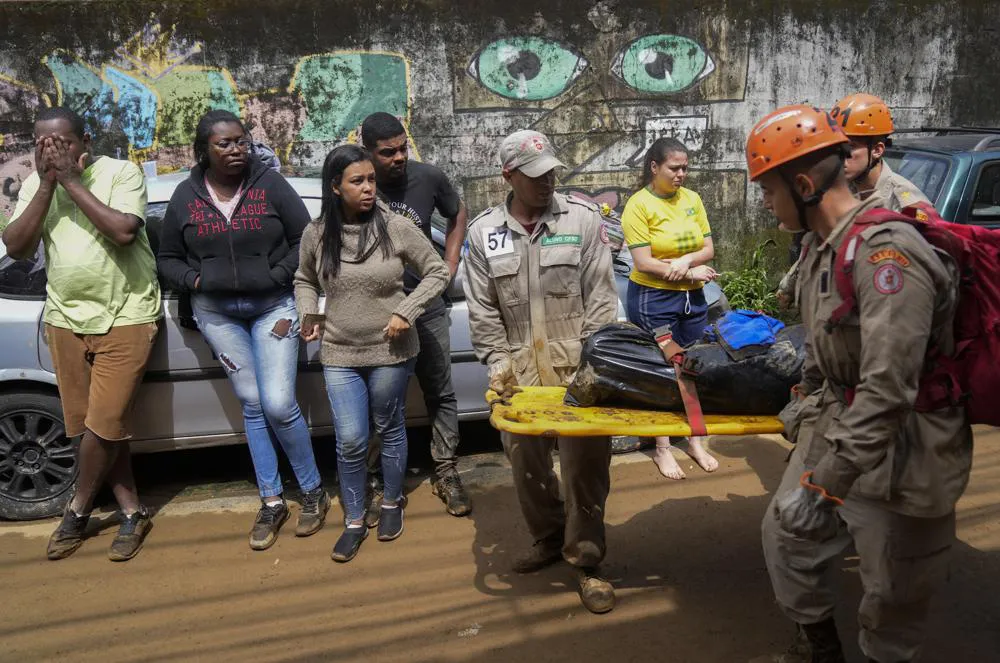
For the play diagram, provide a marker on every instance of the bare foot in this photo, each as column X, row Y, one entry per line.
column 666, row 463
column 700, row 455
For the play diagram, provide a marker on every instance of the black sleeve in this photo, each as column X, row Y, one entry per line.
column 294, row 218
column 446, row 199
column 171, row 257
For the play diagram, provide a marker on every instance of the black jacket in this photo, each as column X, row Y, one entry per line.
column 257, row 252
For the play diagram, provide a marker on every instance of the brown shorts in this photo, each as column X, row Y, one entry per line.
column 99, row 375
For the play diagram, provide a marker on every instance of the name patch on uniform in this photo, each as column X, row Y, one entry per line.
column 497, row 241
column 888, row 279
column 560, row 240
column 889, row 254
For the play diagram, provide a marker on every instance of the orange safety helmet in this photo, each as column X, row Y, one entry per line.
column 789, row 133
column 863, row 115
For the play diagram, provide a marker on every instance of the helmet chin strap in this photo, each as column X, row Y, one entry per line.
column 803, row 204
column 872, row 162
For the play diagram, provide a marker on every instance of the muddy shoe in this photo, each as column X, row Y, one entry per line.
column 542, row 554
column 131, row 534
column 348, row 544
column 374, row 510
column 265, row 527
column 68, row 536
column 623, row 444
column 449, row 488
column 596, row 593
column 815, row 643
column 315, row 504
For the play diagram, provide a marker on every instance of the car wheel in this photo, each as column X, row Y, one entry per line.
column 38, row 463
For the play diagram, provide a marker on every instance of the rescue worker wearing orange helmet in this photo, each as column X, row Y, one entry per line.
column 867, row 122
column 866, row 467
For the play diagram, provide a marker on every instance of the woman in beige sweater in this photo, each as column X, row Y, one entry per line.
column 355, row 253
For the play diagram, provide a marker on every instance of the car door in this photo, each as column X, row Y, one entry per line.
column 983, row 207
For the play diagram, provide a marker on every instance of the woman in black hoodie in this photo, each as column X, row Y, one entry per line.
column 231, row 237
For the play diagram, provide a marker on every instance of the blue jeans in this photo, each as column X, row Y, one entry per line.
column 357, row 396
column 685, row 311
column 256, row 340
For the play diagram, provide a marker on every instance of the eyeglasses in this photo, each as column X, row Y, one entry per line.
column 242, row 145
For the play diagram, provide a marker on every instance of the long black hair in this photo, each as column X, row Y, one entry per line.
column 657, row 153
column 204, row 131
column 375, row 227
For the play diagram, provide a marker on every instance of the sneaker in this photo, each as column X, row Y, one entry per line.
column 449, row 488
column 131, row 534
column 596, row 593
column 374, row 510
column 265, row 528
column 348, row 544
column 623, row 444
column 390, row 524
column 544, row 553
column 315, row 504
column 68, row 536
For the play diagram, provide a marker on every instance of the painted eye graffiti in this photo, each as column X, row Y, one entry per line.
column 662, row 64
column 527, row 68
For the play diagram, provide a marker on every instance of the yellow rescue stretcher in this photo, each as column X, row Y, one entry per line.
column 541, row 411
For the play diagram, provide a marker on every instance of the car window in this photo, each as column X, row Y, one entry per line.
column 927, row 172
column 23, row 279
column 986, row 203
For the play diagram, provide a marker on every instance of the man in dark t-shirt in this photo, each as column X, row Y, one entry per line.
column 415, row 190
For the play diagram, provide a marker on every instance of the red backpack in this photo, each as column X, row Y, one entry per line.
column 971, row 375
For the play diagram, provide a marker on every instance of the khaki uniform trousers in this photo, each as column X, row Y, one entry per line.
column 585, row 464
column 903, row 561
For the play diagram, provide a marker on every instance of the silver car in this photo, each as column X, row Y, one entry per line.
column 185, row 400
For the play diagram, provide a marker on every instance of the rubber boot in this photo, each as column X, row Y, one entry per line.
column 824, row 642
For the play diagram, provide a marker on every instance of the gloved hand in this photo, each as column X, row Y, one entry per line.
column 502, row 380
column 808, row 511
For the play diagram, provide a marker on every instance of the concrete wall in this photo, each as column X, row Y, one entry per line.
column 602, row 79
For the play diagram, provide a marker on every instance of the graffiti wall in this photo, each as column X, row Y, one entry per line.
column 603, row 79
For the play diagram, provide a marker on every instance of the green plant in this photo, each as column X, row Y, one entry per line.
column 752, row 287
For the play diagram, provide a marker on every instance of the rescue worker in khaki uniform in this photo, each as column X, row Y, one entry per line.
column 868, row 123
column 538, row 282
column 866, row 467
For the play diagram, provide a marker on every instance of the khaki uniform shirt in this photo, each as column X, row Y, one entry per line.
column 536, row 298
column 896, row 193
column 906, row 293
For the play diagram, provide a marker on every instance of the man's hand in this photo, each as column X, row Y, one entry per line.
column 397, row 325
column 44, row 154
column 502, row 380
column 65, row 167
column 808, row 511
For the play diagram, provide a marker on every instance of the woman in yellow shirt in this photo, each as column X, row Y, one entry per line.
column 668, row 235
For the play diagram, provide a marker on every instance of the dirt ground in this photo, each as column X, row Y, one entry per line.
column 685, row 557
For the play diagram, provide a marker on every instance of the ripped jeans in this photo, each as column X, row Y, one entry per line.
column 256, row 338
column 357, row 396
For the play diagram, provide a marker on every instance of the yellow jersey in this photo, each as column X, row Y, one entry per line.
column 671, row 227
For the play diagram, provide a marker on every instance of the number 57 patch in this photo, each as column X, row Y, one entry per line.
column 497, row 241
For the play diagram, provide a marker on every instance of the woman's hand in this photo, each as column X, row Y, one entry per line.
column 397, row 325
column 312, row 334
column 677, row 269
column 702, row 273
